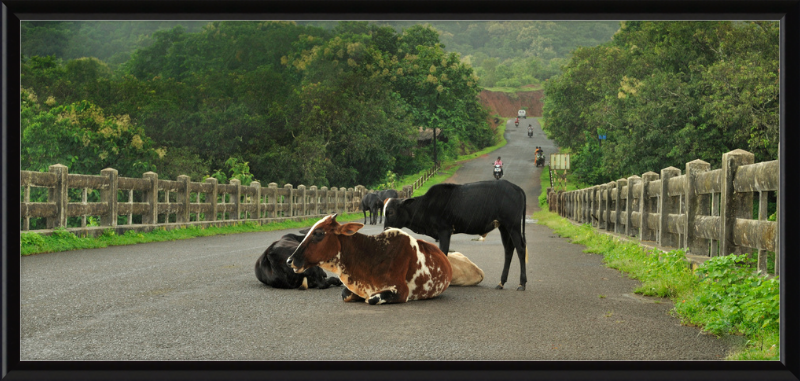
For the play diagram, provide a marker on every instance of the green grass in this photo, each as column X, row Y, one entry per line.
column 63, row 240
column 722, row 297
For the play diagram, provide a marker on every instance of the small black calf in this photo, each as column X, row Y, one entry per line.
column 272, row 270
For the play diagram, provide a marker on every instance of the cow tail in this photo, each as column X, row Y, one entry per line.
column 524, row 213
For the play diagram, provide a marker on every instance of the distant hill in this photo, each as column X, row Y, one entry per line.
column 110, row 41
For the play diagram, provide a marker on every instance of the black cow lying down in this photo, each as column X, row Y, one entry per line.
column 272, row 270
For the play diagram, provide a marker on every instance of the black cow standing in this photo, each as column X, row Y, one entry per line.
column 272, row 270
column 474, row 208
column 370, row 202
column 382, row 196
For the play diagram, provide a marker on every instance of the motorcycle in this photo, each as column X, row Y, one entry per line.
column 498, row 172
column 539, row 159
column 516, row 124
column 530, row 132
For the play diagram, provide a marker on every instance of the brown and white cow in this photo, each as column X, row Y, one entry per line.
column 391, row 267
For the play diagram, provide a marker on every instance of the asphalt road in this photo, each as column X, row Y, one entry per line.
column 199, row 299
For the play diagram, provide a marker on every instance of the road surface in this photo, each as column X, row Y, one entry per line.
column 199, row 299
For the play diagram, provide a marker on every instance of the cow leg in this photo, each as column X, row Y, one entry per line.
column 327, row 282
column 523, row 277
column 389, row 296
column 365, row 217
column 384, row 297
column 349, row 296
column 444, row 240
column 508, row 246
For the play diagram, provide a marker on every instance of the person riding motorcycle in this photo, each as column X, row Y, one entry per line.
column 516, row 122
column 538, row 152
column 500, row 163
column 530, row 130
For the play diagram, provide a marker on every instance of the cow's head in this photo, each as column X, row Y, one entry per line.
column 396, row 213
column 321, row 243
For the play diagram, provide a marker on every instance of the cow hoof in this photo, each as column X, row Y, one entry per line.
column 499, row 287
column 376, row 300
column 521, row 288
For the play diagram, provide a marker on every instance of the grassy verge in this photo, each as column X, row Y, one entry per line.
column 62, row 240
column 722, row 297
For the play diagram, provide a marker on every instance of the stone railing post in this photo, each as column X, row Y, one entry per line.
column 289, row 201
column 350, row 195
column 333, row 200
column 646, row 205
column 256, row 199
column 151, row 197
column 108, row 196
column 183, row 199
column 733, row 205
column 696, row 204
column 58, row 195
column 236, row 195
column 324, row 201
column 272, row 199
column 618, row 219
column 314, row 205
column 301, row 199
column 595, row 204
column 212, row 198
column 601, row 206
column 666, row 206
column 609, row 190
column 629, row 229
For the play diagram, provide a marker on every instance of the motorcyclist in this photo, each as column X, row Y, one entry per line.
column 516, row 122
column 500, row 163
column 530, row 130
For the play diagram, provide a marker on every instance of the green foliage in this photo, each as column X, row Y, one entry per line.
column 296, row 103
column 83, row 137
column 30, row 239
column 731, row 298
column 518, row 52
column 666, row 93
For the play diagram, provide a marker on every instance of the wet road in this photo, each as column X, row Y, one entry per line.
column 199, row 299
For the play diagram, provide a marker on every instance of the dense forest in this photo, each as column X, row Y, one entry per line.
column 273, row 101
column 514, row 53
column 666, row 93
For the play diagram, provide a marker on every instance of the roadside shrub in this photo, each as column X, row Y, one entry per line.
column 731, row 298
column 31, row 239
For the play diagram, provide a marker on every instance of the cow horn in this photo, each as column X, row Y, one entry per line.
column 333, row 217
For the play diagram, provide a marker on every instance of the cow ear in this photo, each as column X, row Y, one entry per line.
column 407, row 201
column 349, row 228
column 305, row 231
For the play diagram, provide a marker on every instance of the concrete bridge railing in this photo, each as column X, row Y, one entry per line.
column 706, row 212
column 223, row 204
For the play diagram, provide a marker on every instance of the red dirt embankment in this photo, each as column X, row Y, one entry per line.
column 507, row 104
